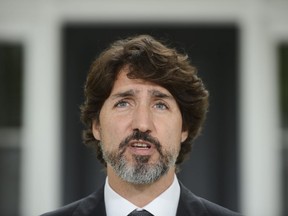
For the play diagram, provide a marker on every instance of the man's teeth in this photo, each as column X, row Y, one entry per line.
column 141, row 145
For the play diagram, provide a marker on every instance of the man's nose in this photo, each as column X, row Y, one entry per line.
column 143, row 119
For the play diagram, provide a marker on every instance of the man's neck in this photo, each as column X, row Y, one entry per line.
column 139, row 195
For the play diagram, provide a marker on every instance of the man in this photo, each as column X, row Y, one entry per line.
column 144, row 106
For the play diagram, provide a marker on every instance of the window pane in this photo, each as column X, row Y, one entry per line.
column 10, row 85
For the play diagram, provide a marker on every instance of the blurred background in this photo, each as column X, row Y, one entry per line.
column 240, row 49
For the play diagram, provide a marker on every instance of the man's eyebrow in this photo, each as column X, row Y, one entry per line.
column 127, row 93
column 132, row 92
column 159, row 94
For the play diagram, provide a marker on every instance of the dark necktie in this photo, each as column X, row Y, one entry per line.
column 140, row 213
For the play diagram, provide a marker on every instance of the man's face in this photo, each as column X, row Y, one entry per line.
column 140, row 129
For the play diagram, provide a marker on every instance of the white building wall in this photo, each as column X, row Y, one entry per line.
column 37, row 25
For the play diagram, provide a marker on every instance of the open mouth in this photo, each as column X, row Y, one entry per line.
column 141, row 145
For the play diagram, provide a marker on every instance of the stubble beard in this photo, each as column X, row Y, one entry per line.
column 140, row 170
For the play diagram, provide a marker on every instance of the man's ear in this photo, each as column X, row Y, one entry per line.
column 184, row 136
column 96, row 130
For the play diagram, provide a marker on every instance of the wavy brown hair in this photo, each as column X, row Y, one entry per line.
column 150, row 60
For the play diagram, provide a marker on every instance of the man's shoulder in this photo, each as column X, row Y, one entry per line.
column 66, row 210
column 190, row 204
column 83, row 207
column 215, row 209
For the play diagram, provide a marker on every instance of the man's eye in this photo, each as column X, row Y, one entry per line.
column 121, row 104
column 161, row 106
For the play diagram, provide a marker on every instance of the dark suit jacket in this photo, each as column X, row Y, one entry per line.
column 189, row 205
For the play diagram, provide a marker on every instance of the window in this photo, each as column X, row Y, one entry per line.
column 283, row 81
column 10, row 126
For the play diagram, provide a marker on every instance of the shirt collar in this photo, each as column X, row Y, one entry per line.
column 158, row 206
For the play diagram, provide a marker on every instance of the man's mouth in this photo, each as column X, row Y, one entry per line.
column 141, row 145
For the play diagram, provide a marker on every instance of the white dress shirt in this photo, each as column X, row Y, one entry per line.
column 164, row 205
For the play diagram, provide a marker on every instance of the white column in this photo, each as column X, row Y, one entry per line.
column 260, row 142
column 41, row 152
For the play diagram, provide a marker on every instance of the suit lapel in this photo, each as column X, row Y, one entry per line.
column 93, row 205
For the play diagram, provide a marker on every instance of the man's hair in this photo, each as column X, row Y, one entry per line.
column 150, row 60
